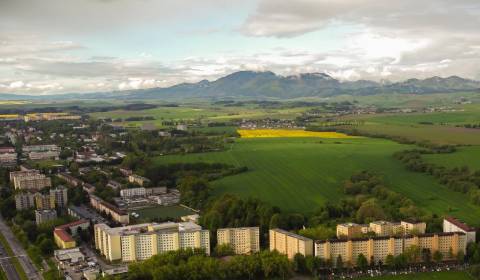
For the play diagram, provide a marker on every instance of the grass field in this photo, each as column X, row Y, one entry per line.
column 162, row 212
column 464, row 156
column 444, row 275
column 300, row 174
column 275, row 133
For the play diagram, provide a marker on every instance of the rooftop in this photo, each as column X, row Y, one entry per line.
column 459, row 224
column 291, row 234
column 63, row 235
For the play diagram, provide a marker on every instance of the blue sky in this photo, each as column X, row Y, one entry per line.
column 104, row 45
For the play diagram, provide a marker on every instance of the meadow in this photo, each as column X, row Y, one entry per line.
column 464, row 156
column 444, row 275
column 300, row 174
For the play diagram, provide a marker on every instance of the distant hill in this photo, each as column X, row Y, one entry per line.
column 250, row 84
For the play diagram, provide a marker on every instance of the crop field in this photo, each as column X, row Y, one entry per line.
column 275, row 133
column 200, row 112
column 444, row 275
column 300, row 174
column 162, row 212
column 464, row 156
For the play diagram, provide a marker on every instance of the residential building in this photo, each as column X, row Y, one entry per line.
column 385, row 228
column 29, row 180
column 245, row 240
column 63, row 239
column 351, row 230
column 72, row 181
column 133, row 192
column 82, row 212
column 44, row 201
column 60, row 196
column 413, row 227
column 377, row 249
column 114, row 185
column 117, row 214
column 24, row 201
column 139, row 180
column 55, row 155
column 40, row 148
column 42, row 216
column 140, row 242
column 450, row 224
column 190, row 218
column 125, row 172
column 289, row 243
column 8, row 156
column 69, row 255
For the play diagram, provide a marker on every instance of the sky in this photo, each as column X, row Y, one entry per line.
column 76, row 46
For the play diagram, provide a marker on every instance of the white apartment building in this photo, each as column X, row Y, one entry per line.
column 133, row 192
column 141, row 242
column 244, row 240
column 451, row 224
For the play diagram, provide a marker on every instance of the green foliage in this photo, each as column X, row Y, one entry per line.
column 362, row 262
column 224, row 250
column 319, row 232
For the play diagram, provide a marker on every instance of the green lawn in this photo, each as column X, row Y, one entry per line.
column 302, row 174
column 162, row 212
column 464, row 156
column 445, row 275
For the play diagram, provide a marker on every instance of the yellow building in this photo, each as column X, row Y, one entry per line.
column 245, row 240
column 44, row 201
column 413, row 227
column 378, row 248
column 351, row 230
column 29, row 180
column 140, row 242
column 289, row 243
column 63, row 239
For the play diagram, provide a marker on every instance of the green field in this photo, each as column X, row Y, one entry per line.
column 445, row 275
column 464, row 156
column 302, row 174
column 162, row 212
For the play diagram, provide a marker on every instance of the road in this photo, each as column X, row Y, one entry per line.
column 18, row 250
column 7, row 265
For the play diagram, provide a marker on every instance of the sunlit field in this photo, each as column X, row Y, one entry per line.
column 274, row 133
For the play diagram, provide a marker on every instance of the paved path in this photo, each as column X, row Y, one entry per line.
column 27, row 264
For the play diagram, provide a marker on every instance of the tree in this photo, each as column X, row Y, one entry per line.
column 461, row 257
column 299, row 263
column 437, row 256
column 426, row 255
column 412, row 253
column 223, row 250
column 339, row 262
column 390, row 261
column 362, row 262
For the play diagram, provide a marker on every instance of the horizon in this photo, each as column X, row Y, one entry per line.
column 104, row 46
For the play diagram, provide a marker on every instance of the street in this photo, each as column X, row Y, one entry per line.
column 7, row 265
column 18, row 250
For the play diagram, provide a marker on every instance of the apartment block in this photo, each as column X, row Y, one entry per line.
column 139, row 180
column 351, row 230
column 140, row 242
column 117, row 214
column 24, row 201
column 378, row 248
column 55, row 155
column 380, row 228
column 133, row 192
column 44, row 201
column 244, row 240
column 60, row 196
column 42, row 216
column 40, row 148
column 8, row 159
column 29, row 180
column 289, row 243
column 450, row 224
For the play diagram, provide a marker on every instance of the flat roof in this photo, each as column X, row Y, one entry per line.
column 291, row 234
column 63, row 235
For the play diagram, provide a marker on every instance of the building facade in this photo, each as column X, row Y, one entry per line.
column 133, row 192
column 139, row 180
column 42, row 216
column 24, row 201
column 63, row 239
column 380, row 228
column 29, row 180
column 44, row 201
column 140, row 242
column 60, row 196
column 245, row 240
column 451, row 224
column 117, row 214
column 378, row 248
column 289, row 243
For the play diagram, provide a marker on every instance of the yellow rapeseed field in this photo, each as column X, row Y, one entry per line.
column 266, row 133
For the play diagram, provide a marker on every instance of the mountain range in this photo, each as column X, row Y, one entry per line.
column 259, row 85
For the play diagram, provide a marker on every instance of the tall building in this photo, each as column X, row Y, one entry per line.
column 42, row 216
column 351, row 230
column 244, row 240
column 44, row 201
column 29, row 180
column 381, row 228
column 378, row 248
column 289, row 243
column 140, row 242
column 24, row 201
column 139, row 180
column 60, row 196
column 450, row 224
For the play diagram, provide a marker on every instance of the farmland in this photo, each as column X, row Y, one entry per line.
column 464, row 156
column 274, row 133
column 300, row 174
